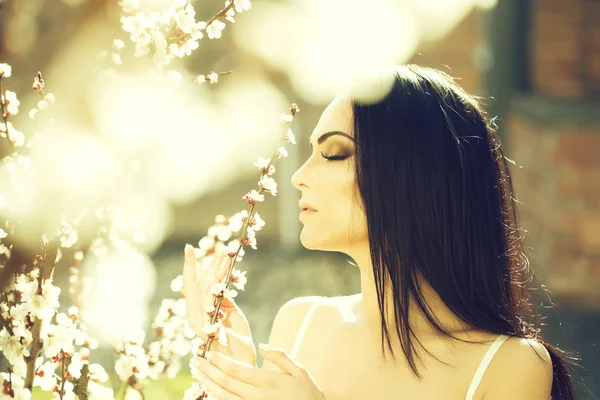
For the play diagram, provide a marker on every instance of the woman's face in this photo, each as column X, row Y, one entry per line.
column 328, row 185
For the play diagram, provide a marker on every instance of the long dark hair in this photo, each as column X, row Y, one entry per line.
column 438, row 197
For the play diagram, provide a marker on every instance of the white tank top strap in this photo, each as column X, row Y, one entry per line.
column 304, row 326
column 485, row 362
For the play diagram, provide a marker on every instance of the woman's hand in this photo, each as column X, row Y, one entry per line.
column 196, row 289
column 227, row 379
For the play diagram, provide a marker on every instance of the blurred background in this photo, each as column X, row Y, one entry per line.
column 535, row 63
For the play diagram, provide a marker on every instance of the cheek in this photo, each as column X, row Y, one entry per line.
column 355, row 216
column 340, row 221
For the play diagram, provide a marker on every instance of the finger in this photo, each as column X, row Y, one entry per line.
column 189, row 268
column 221, row 271
column 213, row 389
column 281, row 359
column 215, row 265
column 247, row 374
column 222, row 380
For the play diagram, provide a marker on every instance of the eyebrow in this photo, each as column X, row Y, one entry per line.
column 327, row 135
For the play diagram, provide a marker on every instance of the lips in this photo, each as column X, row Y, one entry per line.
column 304, row 206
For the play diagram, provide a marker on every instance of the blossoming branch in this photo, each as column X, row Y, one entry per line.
column 249, row 222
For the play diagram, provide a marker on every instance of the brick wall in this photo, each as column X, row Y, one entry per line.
column 553, row 131
column 559, row 186
column 565, row 47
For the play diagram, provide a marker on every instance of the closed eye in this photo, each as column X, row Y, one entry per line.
column 334, row 157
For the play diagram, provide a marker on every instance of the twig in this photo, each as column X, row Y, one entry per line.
column 11, row 392
column 4, row 116
column 62, row 382
column 81, row 386
column 36, row 343
column 220, row 13
column 217, row 306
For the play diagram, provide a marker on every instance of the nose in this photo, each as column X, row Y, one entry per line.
column 299, row 177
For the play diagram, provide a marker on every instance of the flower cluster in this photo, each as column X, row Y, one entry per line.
column 44, row 347
column 9, row 106
column 44, row 103
column 248, row 222
column 173, row 33
column 174, row 335
column 50, row 349
column 30, row 323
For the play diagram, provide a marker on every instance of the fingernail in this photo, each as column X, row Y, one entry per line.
column 264, row 347
column 209, row 356
column 188, row 249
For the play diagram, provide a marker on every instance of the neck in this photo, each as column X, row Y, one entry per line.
column 366, row 307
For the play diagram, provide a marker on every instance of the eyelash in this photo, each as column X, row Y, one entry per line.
column 333, row 158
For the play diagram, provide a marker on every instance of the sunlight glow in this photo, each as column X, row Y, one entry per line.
column 117, row 293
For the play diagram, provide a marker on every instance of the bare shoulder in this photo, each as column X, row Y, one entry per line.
column 522, row 369
column 287, row 324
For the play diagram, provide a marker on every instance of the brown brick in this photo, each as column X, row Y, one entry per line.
column 589, row 234
column 578, row 149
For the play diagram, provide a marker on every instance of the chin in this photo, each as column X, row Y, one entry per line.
column 313, row 242
column 308, row 243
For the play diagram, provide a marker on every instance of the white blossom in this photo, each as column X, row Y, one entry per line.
column 257, row 222
column 193, row 392
column 251, row 238
column 229, row 14
column 220, row 232
column 13, row 349
column 253, row 197
column 17, row 384
column 68, row 235
column 215, row 29
column 45, row 378
column 185, row 18
column 186, row 48
column 16, row 137
column 206, row 243
column 99, row 392
column 129, row 5
column 177, row 284
column 11, row 102
column 27, row 285
column 19, row 312
column 42, row 105
column 67, row 393
column 262, row 163
column 63, row 335
column 217, row 332
column 281, row 152
column 239, row 279
column 133, row 362
column 268, row 184
column 5, row 70
column 118, row 44
column 76, row 364
column 232, row 248
column 50, row 98
column 237, row 221
column 213, row 77
column 97, row 373
column 289, row 137
column 242, row 5
column 116, row 59
column 34, row 113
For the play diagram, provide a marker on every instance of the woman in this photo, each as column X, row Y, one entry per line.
column 414, row 187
